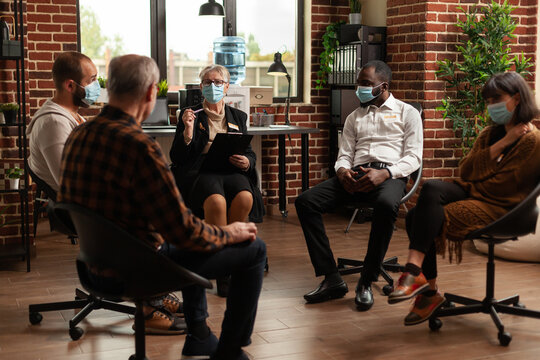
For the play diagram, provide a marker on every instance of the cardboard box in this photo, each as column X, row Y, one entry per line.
column 261, row 95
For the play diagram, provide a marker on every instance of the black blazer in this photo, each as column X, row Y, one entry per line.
column 187, row 159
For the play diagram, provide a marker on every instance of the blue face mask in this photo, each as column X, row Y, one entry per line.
column 365, row 93
column 212, row 93
column 499, row 113
column 91, row 93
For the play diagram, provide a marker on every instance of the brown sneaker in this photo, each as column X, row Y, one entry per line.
column 407, row 287
column 173, row 304
column 424, row 306
column 161, row 322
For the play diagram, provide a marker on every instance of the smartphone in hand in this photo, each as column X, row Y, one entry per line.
column 359, row 174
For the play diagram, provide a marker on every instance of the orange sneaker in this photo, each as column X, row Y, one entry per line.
column 424, row 306
column 407, row 287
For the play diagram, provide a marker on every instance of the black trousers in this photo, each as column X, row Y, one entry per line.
column 424, row 222
column 245, row 263
column 330, row 194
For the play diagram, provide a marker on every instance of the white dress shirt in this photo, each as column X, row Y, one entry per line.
column 391, row 134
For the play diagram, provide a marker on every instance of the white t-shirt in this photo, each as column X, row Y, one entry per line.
column 47, row 133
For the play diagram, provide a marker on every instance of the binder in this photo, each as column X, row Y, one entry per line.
column 223, row 146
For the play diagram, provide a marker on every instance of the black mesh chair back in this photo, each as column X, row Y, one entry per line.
column 135, row 267
column 519, row 221
column 44, row 201
column 106, row 246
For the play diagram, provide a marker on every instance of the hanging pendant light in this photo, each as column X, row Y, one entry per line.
column 211, row 8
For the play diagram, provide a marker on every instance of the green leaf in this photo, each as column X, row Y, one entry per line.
column 485, row 51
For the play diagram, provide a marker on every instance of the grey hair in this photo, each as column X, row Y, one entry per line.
column 220, row 69
column 131, row 75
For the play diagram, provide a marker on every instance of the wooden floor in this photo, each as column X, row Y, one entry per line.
column 286, row 327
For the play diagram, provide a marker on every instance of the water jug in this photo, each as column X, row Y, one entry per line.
column 230, row 51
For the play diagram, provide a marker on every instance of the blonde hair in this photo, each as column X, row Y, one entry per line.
column 220, row 69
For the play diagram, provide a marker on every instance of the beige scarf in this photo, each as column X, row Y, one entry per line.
column 216, row 124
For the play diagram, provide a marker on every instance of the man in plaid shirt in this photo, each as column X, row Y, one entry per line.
column 111, row 166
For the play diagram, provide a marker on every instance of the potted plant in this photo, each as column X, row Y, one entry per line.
column 10, row 112
column 160, row 114
column 355, row 16
column 14, row 175
column 103, row 95
column 326, row 59
column 163, row 88
column 484, row 51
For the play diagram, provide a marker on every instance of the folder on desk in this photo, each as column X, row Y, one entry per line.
column 223, row 146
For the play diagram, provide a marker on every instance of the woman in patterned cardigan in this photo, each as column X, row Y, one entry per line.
column 502, row 168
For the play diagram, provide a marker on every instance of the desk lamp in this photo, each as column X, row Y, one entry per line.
column 278, row 69
column 211, row 8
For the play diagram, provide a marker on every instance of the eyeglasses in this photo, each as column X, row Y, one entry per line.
column 218, row 83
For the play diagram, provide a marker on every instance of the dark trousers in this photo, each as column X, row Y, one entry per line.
column 330, row 194
column 424, row 222
column 245, row 264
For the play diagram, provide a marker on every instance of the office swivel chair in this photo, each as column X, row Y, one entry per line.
column 352, row 266
column 520, row 221
column 44, row 200
column 104, row 246
column 86, row 302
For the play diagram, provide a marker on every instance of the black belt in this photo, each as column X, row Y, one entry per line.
column 376, row 165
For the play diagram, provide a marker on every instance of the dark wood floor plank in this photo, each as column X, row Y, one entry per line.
column 286, row 327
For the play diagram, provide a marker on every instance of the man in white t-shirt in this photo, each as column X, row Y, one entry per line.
column 75, row 80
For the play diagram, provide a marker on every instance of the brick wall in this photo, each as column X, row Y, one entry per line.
column 419, row 34
column 50, row 28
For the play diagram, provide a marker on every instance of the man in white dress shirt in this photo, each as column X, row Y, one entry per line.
column 380, row 147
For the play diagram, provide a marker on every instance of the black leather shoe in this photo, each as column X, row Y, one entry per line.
column 364, row 297
column 326, row 292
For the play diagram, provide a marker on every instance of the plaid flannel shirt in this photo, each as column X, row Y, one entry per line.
column 111, row 166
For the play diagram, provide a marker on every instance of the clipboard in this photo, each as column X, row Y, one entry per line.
column 223, row 146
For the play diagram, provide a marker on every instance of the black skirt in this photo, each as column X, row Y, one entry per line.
column 226, row 184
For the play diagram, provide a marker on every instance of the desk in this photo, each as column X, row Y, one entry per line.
column 260, row 130
column 281, row 132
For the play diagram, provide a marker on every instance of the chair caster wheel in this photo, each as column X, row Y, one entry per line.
column 504, row 338
column 435, row 324
column 519, row 305
column 387, row 289
column 35, row 318
column 76, row 333
column 134, row 357
column 449, row 305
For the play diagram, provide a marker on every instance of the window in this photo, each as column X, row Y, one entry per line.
column 181, row 42
column 105, row 35
column 268, row 26
column 189, row 41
